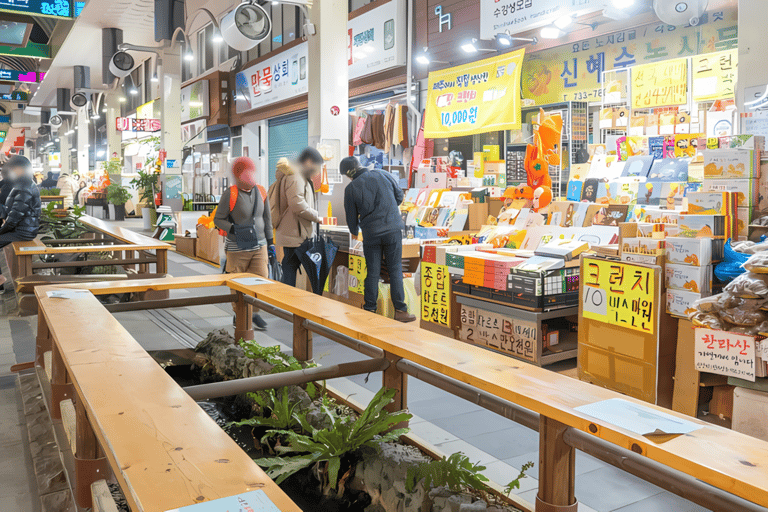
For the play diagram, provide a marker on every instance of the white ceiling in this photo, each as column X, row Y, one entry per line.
column 82, row 47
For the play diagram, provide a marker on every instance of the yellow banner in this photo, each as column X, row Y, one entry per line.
column 357, row 273
column 479, row 97
column 435, row 294
column 660, row 84
column 619, row 293
column 714, row 75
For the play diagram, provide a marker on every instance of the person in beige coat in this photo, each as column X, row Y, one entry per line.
column 68, row 188
column 294, row 208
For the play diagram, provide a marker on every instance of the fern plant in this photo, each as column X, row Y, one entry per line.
column 326, row 447
column 456, row 473
column 515, row 484
column 282, row 409
column 280, row 361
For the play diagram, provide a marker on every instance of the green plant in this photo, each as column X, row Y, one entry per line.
column 66, row 226
column 282, row 409
column 515, row 484
column 117, row 194
column 455, row 472
column 145, row 183
column 113, row 166
column 280, row 361
column 50, row 192
column 326, row 447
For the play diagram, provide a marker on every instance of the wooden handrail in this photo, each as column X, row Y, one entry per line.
column 124, row 235
column 23, row 251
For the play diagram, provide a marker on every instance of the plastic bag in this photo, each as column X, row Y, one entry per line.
column 708, row 320
column 757, row 263
column 708, row 304
column 744, row 317
column 749, row 285
column 731, row 266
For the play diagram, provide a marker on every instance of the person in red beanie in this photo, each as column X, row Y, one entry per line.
column 244, row 215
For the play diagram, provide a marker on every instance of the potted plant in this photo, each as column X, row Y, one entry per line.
column 145, row 183
column 117, row 196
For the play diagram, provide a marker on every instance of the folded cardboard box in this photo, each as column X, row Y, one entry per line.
column 688, row 278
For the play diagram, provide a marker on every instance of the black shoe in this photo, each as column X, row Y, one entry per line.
column 259, row 322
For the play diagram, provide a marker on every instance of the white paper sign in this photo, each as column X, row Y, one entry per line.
column 640, row 419
column 725, row 353
column 69, row 294
column 251, row 281
column 520, row 15
column 376, row 39
column 762, row 350
column 595, row 301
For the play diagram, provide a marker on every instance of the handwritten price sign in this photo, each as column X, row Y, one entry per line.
column 660, row 84
column 725, row 353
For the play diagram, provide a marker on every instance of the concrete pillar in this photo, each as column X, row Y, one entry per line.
column 170, row 106
column 83, row 139
column 114, row 137
column 328, row 74
column 64, row 150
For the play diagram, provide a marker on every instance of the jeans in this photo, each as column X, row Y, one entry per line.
column 290, row 264
column 390, row 248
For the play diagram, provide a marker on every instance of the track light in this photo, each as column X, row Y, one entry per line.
column 188, row 55
column 550, row 32
column 470, row 46
column 563, row 21
column 245, row 26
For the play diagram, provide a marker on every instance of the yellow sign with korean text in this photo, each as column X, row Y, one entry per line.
column 479, row 97
column 357, row 273
column 714, row 75
column 660, row 84
column 435, row 294
column 619, row 293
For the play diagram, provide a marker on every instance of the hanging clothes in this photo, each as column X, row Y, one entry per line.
column 367, row 135
column 351, row 129
column 389, row 125
column 357, row 139
column 398, row 129
column 377, row 123
column 404, row 140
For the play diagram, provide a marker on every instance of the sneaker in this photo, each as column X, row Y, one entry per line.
column 259, row 322
column 404, row 316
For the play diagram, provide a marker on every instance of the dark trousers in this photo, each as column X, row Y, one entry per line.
column 12, row 236
column 388, row 247
column 290, row 264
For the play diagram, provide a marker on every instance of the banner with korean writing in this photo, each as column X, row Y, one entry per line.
column 515, row 16
column 714, row 75
column 513, row 336
column 574, row 71
column 660, row 84
column 479, row 97
column 357, row 273
column 619, row 293
column 725, row 353
column 435, row 294
column 278, row 78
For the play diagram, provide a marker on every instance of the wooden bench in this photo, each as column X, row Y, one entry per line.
column 727, row 460
column 132, row 419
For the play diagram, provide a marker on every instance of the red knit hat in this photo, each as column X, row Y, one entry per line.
column 244, row 172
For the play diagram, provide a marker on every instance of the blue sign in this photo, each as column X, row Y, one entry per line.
column 170, row 164
column 53, row 8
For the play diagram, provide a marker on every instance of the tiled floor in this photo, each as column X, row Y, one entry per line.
column 450, row 423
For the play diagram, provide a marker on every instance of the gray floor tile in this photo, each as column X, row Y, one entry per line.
column 474, row 423
column 502, row 474
column 202, row 268
column 475, row 454
column 610, row 488
column 508, row 443
column 519, row 460
column 446, row 407
column 663, row 502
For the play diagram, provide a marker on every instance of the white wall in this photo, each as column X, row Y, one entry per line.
column 753, row 47
column 251, row 141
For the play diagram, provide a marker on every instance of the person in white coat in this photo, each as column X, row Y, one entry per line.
column 68, row 188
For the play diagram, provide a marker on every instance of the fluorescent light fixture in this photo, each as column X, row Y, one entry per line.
column 622, row 4
column 73, row 149
column 422, row 59
column 122, row 99
column 563, row 21
column 133, row 91
column 469, row 46
column 550, row 32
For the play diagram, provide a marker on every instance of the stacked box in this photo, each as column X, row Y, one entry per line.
column 474, row 270
column 696, row 252
column 689, row 279
column 679, row 302
column 730, row 164
column 429, row 254
column 455, row 262
column 717, row 202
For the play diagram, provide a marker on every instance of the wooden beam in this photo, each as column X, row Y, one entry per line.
column 243, row 319
column 302, row 340
column 557, row 469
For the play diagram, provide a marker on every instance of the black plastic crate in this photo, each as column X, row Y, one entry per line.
column 457, row 285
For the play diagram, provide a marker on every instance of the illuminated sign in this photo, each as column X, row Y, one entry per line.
column 52, row 8
column 12, row 75
column 5, row 120
column 3, row 135
column 14, row 96
column 127, row 124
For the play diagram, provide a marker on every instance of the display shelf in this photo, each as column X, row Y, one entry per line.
column 565, row 350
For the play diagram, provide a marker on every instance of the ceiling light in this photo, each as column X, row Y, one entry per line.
column 73, row 149
column 245, row 26
column 275, row 2
column 104, row 110
column 422, row 59
column 622, row 4
column 469, row 46
column 101, row 153
column 188, row 55
column 563, row 21
column 122, row 99
column 217, row 37
column 550, row 32
column 504, row 39
column 57, row 139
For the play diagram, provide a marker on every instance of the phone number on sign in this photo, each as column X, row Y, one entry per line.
column 467, row 115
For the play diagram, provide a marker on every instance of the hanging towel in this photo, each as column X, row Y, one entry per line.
column 357, row 140
column 404, row 141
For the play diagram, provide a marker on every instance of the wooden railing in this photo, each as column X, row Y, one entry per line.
column 719, row 468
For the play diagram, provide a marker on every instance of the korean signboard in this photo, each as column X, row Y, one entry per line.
column 479, row 97
column 619, row 293
column 52, row 8
column 12, row 75
column 129, row 124
column 357, row 273
column 517, row 16
column 574, row 72
column 195, row 102
column 376, row 39
column 435, row 294
column 660, row 84
column 277, row 79
column 725, row 353
column 489, row 329
column 714, row 75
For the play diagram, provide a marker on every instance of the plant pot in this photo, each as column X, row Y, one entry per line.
column 146, row 215
column 119, row 212
column 111, row 211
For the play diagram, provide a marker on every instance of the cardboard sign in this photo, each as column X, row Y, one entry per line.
column 435, row 294
column 619, row 293
column 357, row 273
column 510, row 335
column 725, row 353
column 660, row 84
column 714, row 75
column 478, row 97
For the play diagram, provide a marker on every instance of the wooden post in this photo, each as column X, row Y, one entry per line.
column 557, row 469
column 243, row 319
column 393, row 378
column 302, row 340
column 61, row 387
column 44, row 341
column 161, row 265
column 90, row 464
column 24, row 265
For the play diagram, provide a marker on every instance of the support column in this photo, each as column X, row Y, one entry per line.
column 243, row 319
column 83, row 139
column 302, row 340
column 114, row 138
column 170, row 106
column 328, row 75
column 557, row 469
column 64, row 150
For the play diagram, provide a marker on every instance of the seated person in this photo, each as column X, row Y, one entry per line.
column 21, row 212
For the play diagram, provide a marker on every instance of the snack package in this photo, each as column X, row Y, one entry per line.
column 744, row 317
column 749, row 285
column 757, row 263
column 708, row 320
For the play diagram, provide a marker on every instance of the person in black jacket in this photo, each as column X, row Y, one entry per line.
column 21, row 211
column 5, row 185
column 371, row 203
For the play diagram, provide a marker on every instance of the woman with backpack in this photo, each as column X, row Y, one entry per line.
column 243, row 215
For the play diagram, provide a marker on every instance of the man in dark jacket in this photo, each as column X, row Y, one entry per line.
column 371, row 203
column 21, row 211
column 5, row 185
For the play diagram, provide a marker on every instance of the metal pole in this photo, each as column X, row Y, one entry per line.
column 269, row 308
column 168, row 303
column 485, row 400
column 658, row 474
column 279, row 380
column 343, row 339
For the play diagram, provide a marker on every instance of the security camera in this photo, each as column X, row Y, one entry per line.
column 246, row 26
column 78, row 100
column 121, row 64
column 55, row 121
